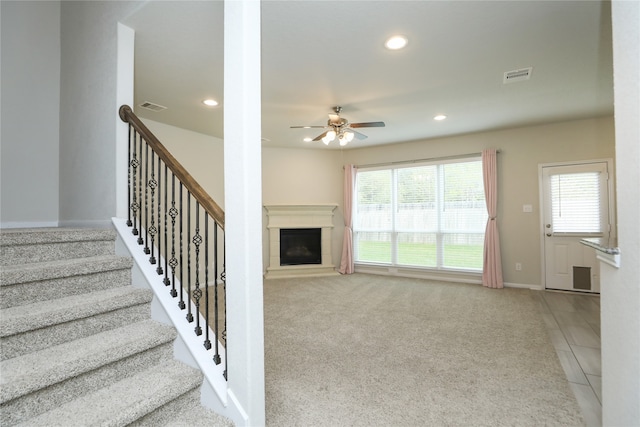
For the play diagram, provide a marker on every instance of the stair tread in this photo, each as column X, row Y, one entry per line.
column 28, row 236
column 127, row 400
column 22, row 273
column 27, row 373
column 46, row 313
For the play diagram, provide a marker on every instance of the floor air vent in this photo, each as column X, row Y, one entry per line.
column 517, row 75
column 151, row 106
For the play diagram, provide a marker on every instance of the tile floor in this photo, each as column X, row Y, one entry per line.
column 573, row 320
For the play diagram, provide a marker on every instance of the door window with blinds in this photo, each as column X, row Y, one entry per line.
column 575, row 202
column 428, row 215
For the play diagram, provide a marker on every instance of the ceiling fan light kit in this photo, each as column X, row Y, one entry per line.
column 340, row 128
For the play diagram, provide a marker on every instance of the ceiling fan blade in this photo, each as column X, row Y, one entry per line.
column 319, row 137
column 358, row 134
column 307, row 127
column 367, row 125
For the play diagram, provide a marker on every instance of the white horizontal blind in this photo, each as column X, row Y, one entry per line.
column 575, row 203
column 431, row 215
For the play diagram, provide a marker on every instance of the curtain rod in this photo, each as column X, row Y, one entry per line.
column 459, row 156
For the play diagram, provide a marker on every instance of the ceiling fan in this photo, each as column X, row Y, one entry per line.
column 341, row 128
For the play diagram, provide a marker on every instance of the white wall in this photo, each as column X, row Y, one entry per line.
column 88, row 110
column 620, row 295
column 30, row 113
column 303, row 176
column 202, row 155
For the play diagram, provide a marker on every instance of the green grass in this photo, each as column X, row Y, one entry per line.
column 422, row 254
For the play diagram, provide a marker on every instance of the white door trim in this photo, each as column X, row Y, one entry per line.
column 541, row 225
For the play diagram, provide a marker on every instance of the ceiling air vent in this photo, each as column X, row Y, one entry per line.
column 151, row 106
column 517, row 75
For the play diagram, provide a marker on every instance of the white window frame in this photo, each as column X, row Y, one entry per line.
column 394, row 231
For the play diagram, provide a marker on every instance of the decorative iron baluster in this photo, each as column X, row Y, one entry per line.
column 159, row 231
column 140, row 240
column 216, row 319
column 146, row 200
column 159, row 270
column 207, row 341
column 166, row 214
column 129, row 223
column 181, row 303
column 135, row 207
column 223, row 279
column 197, row 292
column 153, row 184
column 173, row 213
column 189, row 313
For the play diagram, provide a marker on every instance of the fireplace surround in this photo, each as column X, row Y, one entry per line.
column 296, row 218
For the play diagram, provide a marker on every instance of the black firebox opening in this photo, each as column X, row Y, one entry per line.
column 300, row 246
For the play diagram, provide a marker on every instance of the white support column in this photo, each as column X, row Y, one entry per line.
column 243, row 207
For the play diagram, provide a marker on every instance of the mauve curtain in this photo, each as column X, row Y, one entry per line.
column 346, row 264
column 492, row 263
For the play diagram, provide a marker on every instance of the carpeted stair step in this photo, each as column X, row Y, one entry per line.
column 21, row 246
column 125, row 401
column 31, row 327
column 41, row 381
column 185, row 411
column 29, row 283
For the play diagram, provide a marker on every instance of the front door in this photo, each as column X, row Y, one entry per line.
column 575, row 200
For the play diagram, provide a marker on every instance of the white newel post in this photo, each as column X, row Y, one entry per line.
column 243, row 208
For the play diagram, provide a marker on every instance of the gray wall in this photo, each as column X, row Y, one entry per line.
column 88, row 110
column 30, row 113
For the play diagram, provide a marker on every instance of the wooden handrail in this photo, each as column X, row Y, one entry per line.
column 205, row 200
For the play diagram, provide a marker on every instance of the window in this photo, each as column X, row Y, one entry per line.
column 575, row 203
column 430, row 215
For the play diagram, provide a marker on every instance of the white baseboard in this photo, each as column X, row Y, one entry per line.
column 524, row 286
column 35, row 224
column 87, row 224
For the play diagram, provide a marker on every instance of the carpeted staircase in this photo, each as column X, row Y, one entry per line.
column 79, row 347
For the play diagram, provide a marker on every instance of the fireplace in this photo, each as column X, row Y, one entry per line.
column 300, row 246
column 300, row 240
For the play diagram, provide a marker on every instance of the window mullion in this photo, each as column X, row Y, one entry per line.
column 394, row 209
column 440, row 210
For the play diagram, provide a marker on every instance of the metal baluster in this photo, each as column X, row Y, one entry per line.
column 135, row 207
column 153, row 184
column 189, row 313
column 197, row 292
column 216, row 328
column 166, row 214
column 159, row 238
column 207, row 341
column 129, row 223
column 223, row 278
column 181, row 302
column 146, row 199
column 173, row 213
column 140, row 240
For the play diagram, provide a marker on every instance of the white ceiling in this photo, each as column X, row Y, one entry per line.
column 319, row 54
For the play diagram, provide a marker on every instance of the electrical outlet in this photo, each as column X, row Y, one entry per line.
column 518, row 266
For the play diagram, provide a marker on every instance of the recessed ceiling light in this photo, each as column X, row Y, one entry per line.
column 210, row 102
column 440, row 117
column 307, row 139
column 396, row 42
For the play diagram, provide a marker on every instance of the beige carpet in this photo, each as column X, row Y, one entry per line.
column 365, row 350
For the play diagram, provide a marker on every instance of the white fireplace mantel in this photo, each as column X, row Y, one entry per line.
column 300, row 216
